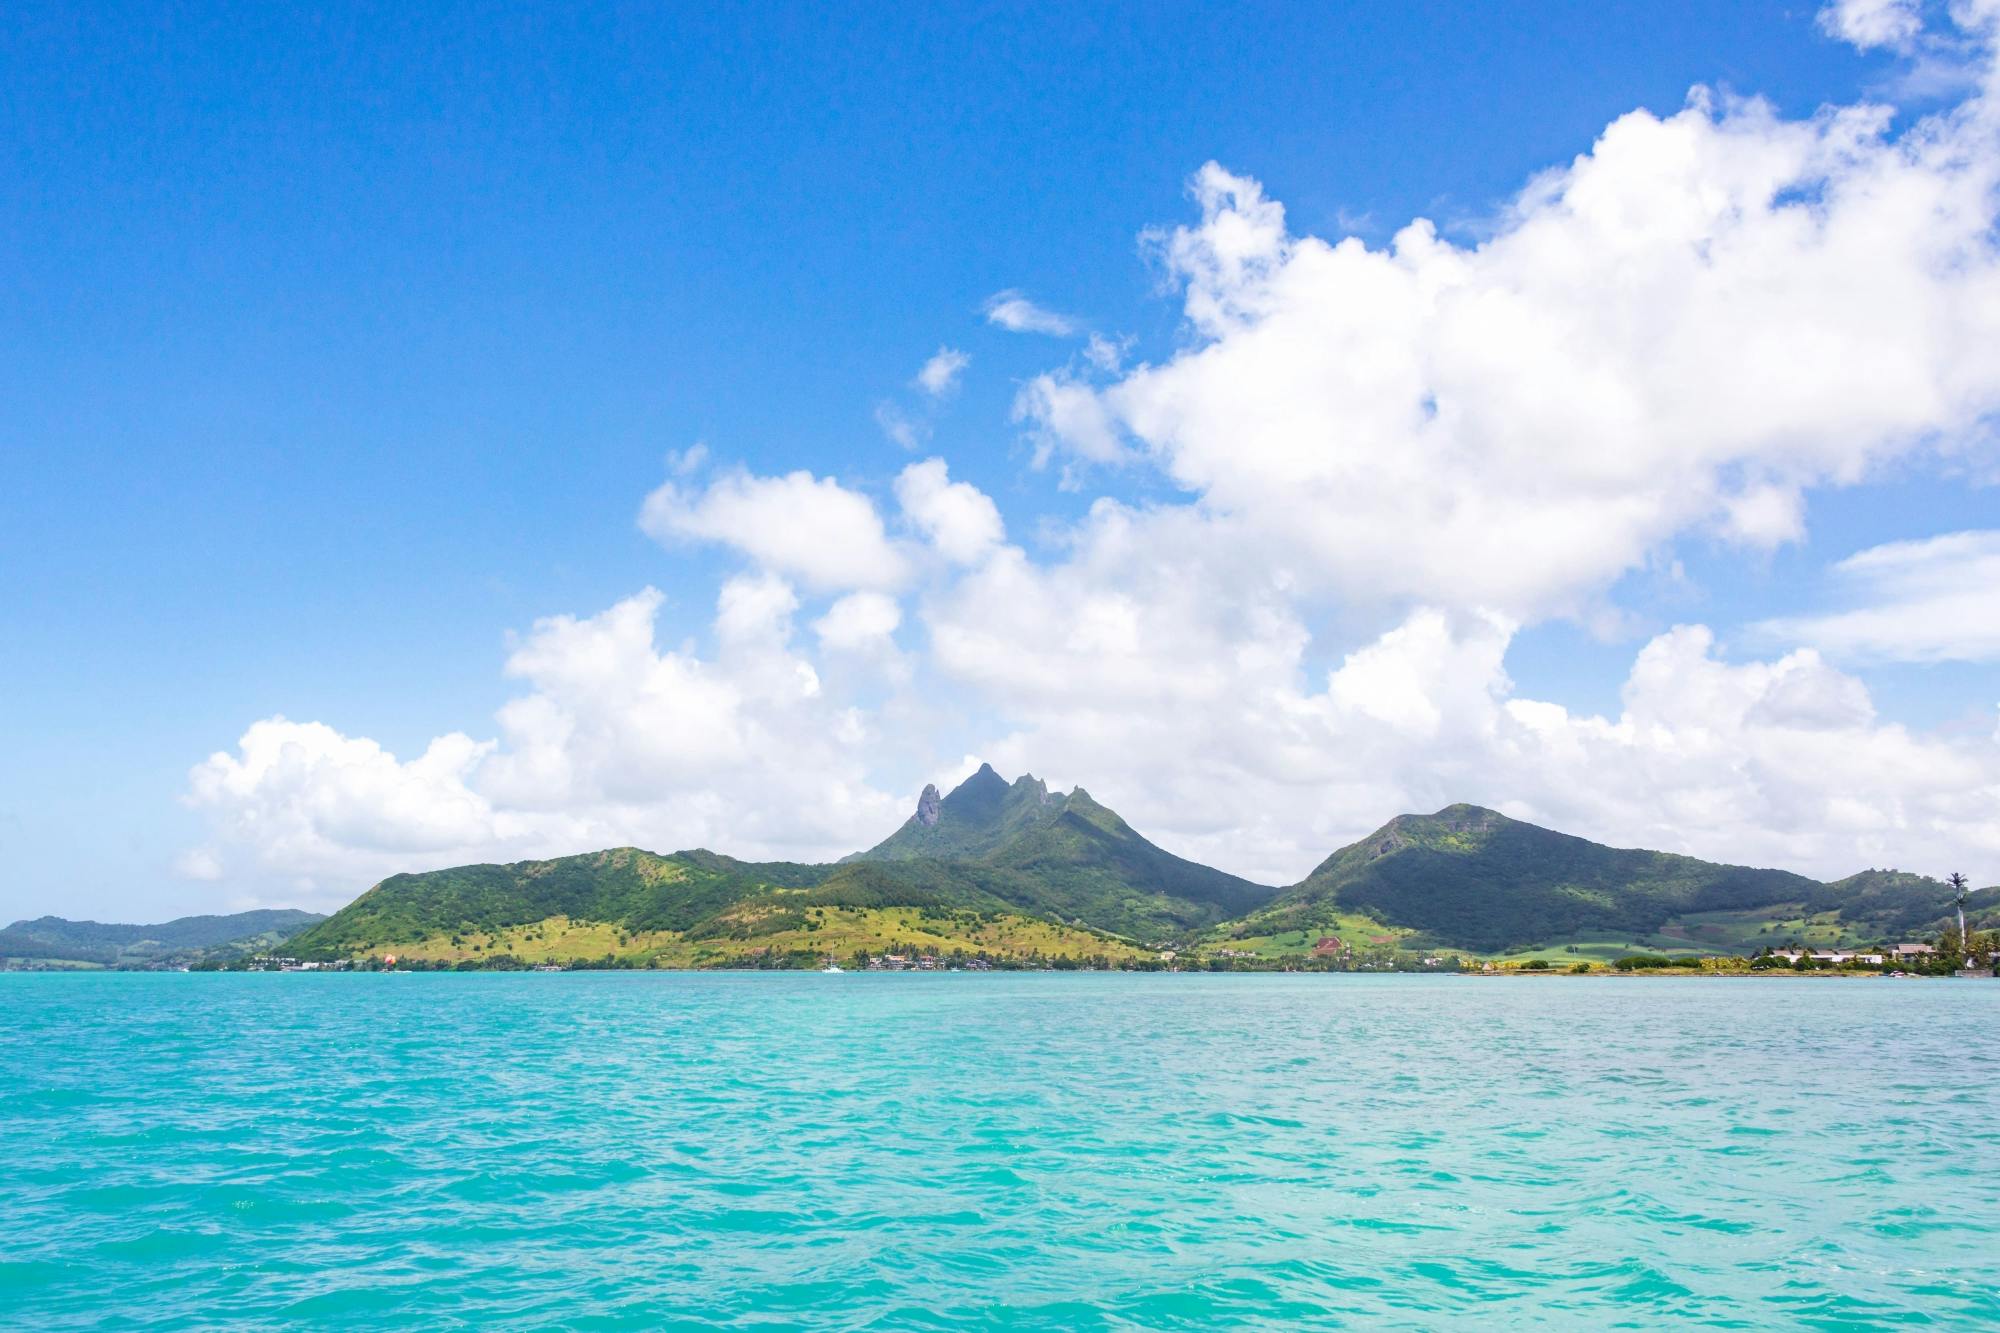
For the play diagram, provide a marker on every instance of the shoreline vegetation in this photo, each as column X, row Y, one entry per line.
column 1000, row 875
column 1941, row 959
column 1712, row 968
column 416, row 966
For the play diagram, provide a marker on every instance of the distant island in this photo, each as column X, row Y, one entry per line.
column 1011, row 874
column 52, row 942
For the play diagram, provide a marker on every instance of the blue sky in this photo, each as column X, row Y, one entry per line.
column 342, row 345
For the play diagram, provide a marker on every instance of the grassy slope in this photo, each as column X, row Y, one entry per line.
column 838, row 932
column 1363, row 934
column 693, row 909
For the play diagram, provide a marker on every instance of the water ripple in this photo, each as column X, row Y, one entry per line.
column 931, row 1152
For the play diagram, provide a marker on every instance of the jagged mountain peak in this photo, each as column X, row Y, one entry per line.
column 968, row 820
column 1066, row 853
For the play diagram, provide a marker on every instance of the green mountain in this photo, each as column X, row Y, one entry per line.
column 692, row 909
column 1065, row 856
column 980, row 814
column 997, row 867
column 1471, row 878
column 635, row 891
column 1012, row 870
column 184, row 940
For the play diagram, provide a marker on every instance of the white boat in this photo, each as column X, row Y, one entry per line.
column 832, row 966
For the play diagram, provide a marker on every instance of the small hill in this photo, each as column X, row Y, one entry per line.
column 183, row 940
column 1890, row 902
column 636, row 891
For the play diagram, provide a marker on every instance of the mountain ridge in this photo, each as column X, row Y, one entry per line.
column 1436, row 875
column 188, row 938
column 995, row 864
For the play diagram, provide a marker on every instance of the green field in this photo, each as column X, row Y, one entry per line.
column 837, row 932
column 1362, row 934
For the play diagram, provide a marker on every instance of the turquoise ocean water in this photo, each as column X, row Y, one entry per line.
column 1035, row 1151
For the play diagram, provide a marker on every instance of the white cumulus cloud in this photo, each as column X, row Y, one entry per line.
column 1688, row 327
column 614, row 742
column 859, row 622
column 806, row 527
column 957, row 518
column 1218, row 741
column 1872, row 23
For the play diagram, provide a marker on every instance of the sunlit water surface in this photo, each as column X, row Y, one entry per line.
column 1038, row 1151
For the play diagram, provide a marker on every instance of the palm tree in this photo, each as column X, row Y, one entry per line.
column 1957, row 882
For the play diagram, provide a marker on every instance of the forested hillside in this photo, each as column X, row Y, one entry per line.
column 183, row 940
column 1471, row 878
column 1013, row 869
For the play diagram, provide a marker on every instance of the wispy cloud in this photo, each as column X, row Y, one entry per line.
column 1015, row 313
column 941, row 373
column 1919, row 601
column 900, row 426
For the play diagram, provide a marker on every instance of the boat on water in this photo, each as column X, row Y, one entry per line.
column 832, row 966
